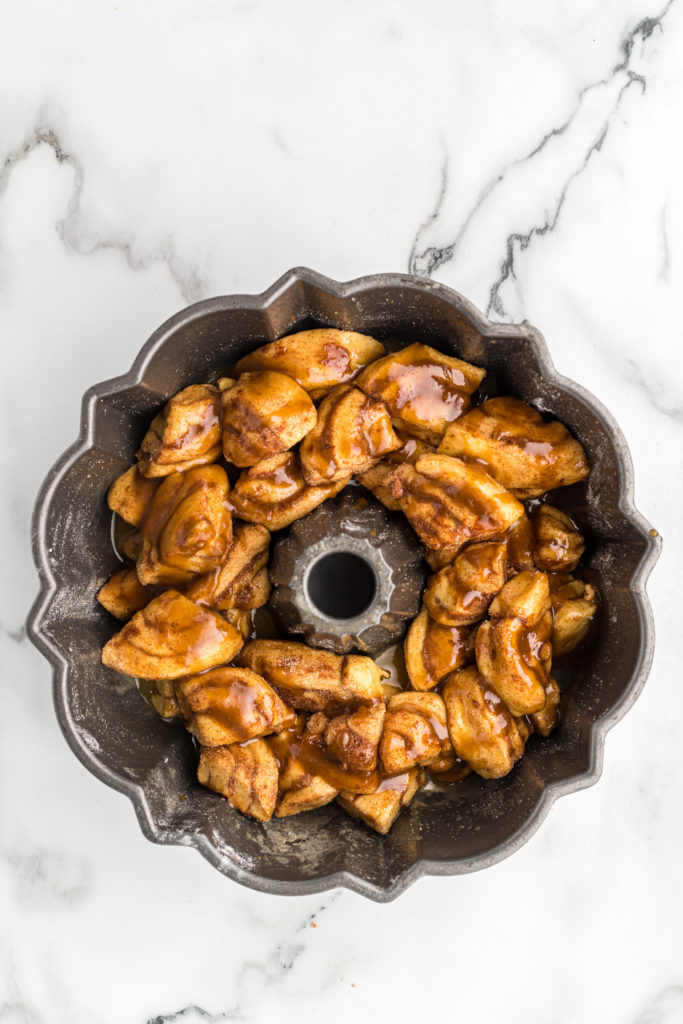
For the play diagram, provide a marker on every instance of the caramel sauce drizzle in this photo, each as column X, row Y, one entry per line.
column 209, row 421
column 459, row 771
column 239, row 707
column 444, row 649
column 428, row 390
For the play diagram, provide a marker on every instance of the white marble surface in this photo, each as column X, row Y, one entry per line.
column 155, row 153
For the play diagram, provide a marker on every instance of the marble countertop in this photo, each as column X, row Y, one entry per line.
column 529, row 155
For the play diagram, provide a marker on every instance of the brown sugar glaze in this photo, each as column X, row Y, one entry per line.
column 520, row 540
column 394, row 783
column 314, row 758
column 444, row 649
column 241, row 707
column 459, row 771
column 337, row 362
column 292, row 744
column 205, row 429
column 500, row 720
column 428, row 390
column 393, row 661
column 514, row 422
column 188, row 636
column 535, row 648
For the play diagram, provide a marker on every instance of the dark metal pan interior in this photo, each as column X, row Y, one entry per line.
column 118, row 737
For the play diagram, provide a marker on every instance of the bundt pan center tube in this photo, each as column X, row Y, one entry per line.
column 451, row 830
column 348, row 576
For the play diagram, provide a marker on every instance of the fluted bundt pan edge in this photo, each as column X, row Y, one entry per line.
column 118, row 737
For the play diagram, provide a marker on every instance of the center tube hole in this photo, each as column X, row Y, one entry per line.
column 341, row 585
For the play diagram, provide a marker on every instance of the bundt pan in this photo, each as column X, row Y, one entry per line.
column 450, row 830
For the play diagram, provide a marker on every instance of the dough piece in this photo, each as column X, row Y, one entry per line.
column 449, row 502
column 123, row 594
column 375, row 477
column 513, row 647
column 351, row 434
column 313, row 680
column 424, row 390
column 558, row 543
column 186, row 434
column 380, row 809
column 548, row 718
column 460, row 594
column 525, row 453
column 188, row 527
column 265, row 413
column 171, row 637
column 432, row 651
column 161, row 695
column 482, row 730
column 353, row 738
column 230, row 705
column 241, row 581
column 415, row 732
column 246, row 775
column 238, row 618
column 301, row 787
column 575, row 604
column 275, row 494
column 130, row 494
column 318, row 359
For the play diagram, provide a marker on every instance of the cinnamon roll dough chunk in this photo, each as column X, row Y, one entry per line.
column 423, row 389
column 318, row 360
column 186, row 434
column 380, row 809
column 483, row 732
column 524, row 452
column 548, row 718
column 241, row 581
column 171, row 637
column 302, row 787
column 313, row 680
column 246, row 775
column 415, row 732
column 353, row 738
column 123, row 594
column 275, row 494
column 265, row 413
column 574, row 604
column 375, row 477
column 302, row 790
column 433, row 651
column 461, row 593
column 513, row 647
column 449, row 502
column 187, row 528
column 351, row 434
column 161, row 695
column 558, row 543
column 130, row 494
column 230, row 705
